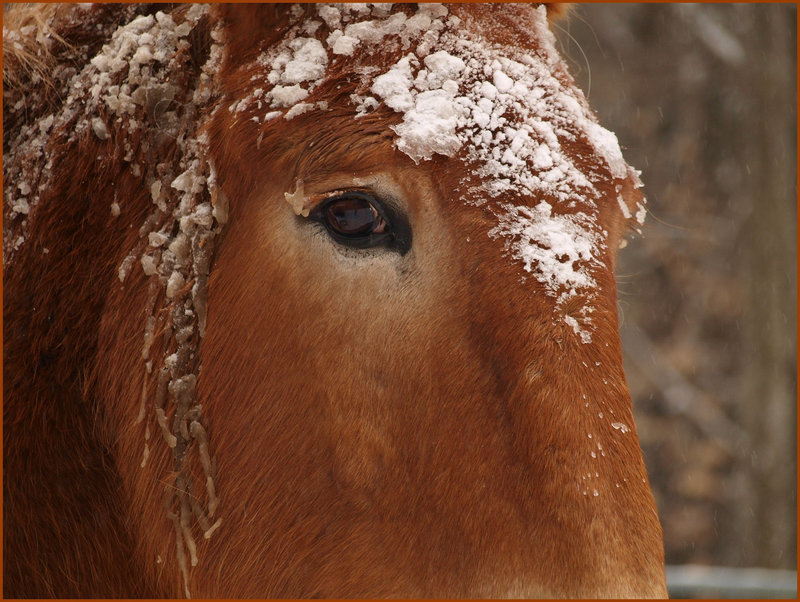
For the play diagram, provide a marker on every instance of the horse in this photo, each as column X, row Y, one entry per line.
column 313, row 301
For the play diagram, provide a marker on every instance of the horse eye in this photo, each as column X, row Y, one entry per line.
column 356, row 218
column 353, row 215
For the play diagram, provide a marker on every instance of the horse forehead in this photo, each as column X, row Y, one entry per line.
column 446, row 85
column 486, row 91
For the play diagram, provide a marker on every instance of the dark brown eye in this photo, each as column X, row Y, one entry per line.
column 353, row 216
column 357, row 218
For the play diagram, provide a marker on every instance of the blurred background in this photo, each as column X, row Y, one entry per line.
column 703, row 100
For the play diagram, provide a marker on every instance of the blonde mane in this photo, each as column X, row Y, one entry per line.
column 31, row 44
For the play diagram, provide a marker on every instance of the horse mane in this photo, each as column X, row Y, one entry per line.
column 29, row 43
column 72, row 220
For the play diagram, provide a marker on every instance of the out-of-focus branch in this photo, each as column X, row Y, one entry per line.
column 682, row 397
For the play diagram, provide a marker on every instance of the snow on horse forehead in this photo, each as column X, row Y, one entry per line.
column 323, row 305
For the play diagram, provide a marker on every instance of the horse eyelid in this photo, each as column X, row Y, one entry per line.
column 315, row 202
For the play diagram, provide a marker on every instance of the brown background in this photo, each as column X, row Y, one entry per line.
column 703, row 101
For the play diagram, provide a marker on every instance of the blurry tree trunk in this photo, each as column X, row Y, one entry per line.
column 767, row 505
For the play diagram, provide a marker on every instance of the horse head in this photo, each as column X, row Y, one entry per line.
column 325, row 306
